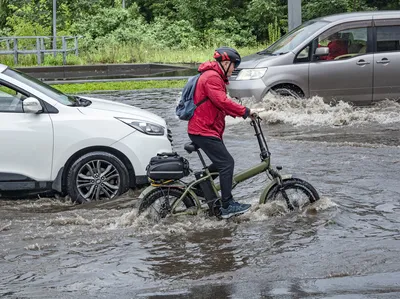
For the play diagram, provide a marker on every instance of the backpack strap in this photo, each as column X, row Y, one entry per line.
column 205, row 99
column 201, row 102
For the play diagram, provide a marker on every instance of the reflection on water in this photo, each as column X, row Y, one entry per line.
column 345, row 245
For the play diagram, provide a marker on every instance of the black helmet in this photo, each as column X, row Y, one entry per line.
column 227, row 54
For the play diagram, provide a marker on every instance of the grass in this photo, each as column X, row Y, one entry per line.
column 125, row 54
column 125, row 85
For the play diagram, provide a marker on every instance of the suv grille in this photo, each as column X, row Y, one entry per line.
column 236, row 72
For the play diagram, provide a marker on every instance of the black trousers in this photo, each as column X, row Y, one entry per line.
column 222, row 161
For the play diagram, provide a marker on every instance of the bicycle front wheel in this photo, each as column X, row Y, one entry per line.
column 160, row 201
column 295, row 192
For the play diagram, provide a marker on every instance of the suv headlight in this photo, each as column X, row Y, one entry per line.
column 251, row 74
column 144, row 126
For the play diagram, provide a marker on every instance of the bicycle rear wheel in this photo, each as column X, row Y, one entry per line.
column 159, row 202
column 297, row 193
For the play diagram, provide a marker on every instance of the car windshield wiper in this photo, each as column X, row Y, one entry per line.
column 80, row 102
column 264, row 52
column 279, row 53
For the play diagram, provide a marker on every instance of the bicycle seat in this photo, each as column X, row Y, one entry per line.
column 191, row 147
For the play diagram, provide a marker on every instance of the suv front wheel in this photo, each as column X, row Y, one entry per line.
column 97, row 176
column 287, row 92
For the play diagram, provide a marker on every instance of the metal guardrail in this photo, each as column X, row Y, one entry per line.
column 11, row 47
column 106, row 71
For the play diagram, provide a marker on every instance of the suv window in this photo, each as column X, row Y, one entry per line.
column 41, row 87
column 10, row 100
column 344, row 44
column 294, row 38
column 388, row 39
column 303, row 55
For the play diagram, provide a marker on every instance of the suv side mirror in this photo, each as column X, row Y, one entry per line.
column 32, row 105
column 321, row 51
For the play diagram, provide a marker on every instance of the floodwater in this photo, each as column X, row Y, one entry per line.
column 347, row 245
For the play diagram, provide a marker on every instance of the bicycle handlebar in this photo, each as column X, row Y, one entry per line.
column 256, row 123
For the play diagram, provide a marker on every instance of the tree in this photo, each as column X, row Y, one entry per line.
column 260, row 13
column 315, row 9
column 4, row 11
column 383, row 4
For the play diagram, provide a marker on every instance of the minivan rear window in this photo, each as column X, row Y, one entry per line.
column 294, row 38
column 388, row 38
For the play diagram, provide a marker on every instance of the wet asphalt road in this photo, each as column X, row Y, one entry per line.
column 345, row 246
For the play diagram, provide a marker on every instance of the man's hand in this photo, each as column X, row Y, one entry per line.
column 255, row 111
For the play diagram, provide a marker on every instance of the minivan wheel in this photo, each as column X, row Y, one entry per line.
column 97, row 176
column 286, row 92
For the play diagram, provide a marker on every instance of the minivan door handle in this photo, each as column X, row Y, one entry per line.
column 383, row 61
column 363, row 62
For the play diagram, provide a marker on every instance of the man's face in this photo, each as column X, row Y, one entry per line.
column 229, row 67
column 335, row 36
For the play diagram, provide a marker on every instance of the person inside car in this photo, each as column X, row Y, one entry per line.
column 337, row 47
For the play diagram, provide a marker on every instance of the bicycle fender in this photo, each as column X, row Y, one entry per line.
column 146, row 191
column 270, row 185
column 176, row 185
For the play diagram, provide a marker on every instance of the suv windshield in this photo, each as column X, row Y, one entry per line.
column 294, row 38
column 42, row 87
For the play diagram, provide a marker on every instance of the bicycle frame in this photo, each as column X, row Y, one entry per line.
column 264, row 166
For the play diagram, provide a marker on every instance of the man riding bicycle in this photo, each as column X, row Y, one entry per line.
column 206, row 127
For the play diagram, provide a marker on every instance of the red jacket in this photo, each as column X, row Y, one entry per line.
column 209, row 118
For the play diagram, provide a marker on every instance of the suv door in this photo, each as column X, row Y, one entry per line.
column 26, row 150
column 387, row 59
column 346, row 73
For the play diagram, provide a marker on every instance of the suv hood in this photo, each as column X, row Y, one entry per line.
column 252, row 61
column 265, row 60
column 116, row 109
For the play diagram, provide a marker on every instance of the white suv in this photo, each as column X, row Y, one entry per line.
column 88, row 148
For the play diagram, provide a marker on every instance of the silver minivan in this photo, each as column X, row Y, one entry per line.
column 354, row 57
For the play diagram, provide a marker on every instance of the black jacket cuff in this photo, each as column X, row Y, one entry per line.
column 247, row 113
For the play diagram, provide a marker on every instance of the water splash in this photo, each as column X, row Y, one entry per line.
column 42, row 204
column 141, row 225
column 39, row 247
column 314, row 111
column 5, row 227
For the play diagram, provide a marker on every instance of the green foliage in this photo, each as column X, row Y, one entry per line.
column 383, row 4
column 161, row 30
column 201, row 13
column 29, row 19
column 171, row 34
column 260, row 13
column 125, row 85
column 71, row 59
column 129, row 54
column 228, row 32
column 103, row 23
column 274, row 32
column 150, row 9
column 314, row 9
column 4, row 11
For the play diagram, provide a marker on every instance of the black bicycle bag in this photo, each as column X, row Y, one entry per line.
column 167, row 166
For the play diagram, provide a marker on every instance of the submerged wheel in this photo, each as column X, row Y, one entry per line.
column 159, row 202
column 296, row 193
column 287, row 92
column 97, row 176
